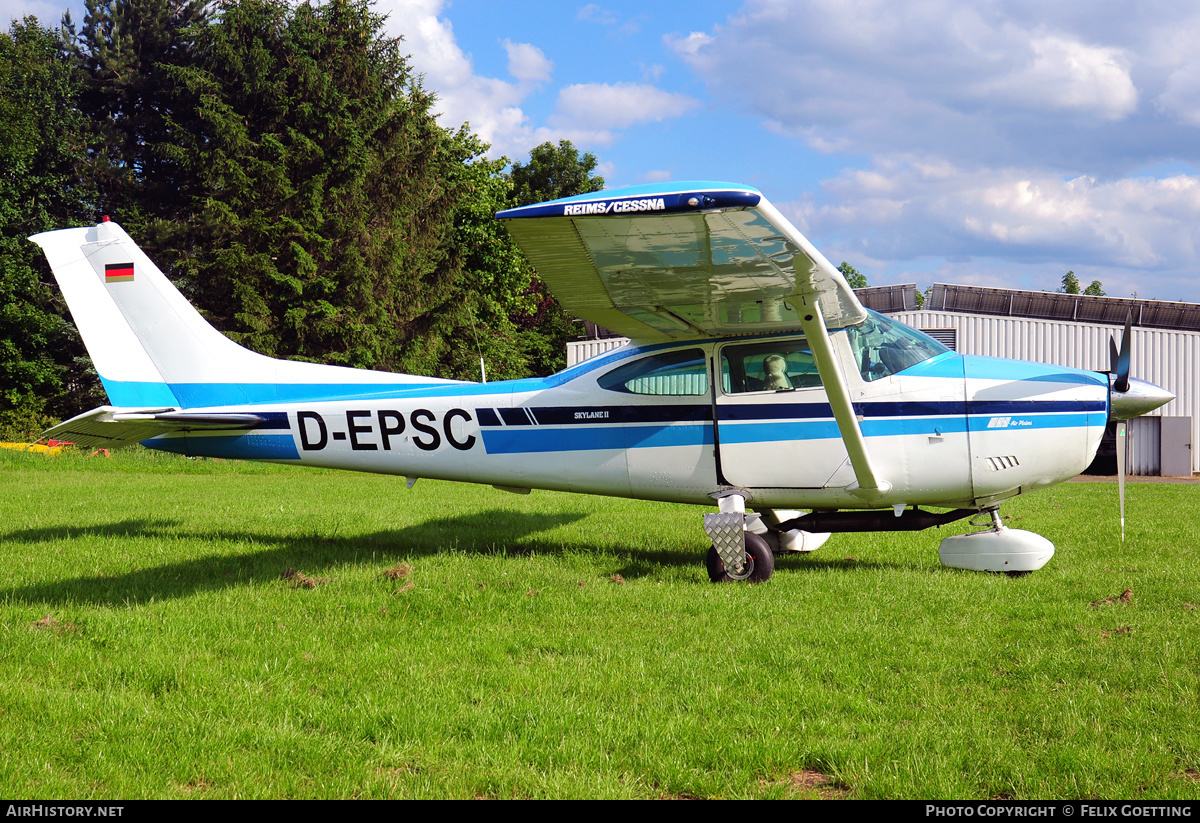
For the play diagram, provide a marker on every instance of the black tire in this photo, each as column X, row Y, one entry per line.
column 760, row 563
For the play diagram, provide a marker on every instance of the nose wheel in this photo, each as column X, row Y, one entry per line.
column 758, row 566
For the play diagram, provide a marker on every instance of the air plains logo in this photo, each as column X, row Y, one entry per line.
column 615, row 206
column 1007, row 423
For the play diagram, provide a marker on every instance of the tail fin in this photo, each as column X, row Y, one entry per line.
column 153, row 349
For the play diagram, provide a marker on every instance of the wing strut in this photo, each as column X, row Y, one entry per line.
column 869, row 485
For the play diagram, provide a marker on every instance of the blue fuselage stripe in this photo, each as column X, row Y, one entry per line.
column 524, row 441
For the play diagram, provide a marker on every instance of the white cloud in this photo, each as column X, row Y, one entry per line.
column 980, row 83
column 1063, row 73
column 688, row 46
column 596, row 14
column 1125, row 232
column 587, row 114
column 492, row 106
column 526, row 62
column 1181, row 94
column 617, row 105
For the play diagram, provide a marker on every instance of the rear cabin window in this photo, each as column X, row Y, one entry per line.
column 778, row 365
column 676, row 373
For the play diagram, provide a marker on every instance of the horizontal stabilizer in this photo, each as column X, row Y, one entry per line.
column 110, row 427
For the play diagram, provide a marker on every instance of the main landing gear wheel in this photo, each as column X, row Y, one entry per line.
column 759, row 566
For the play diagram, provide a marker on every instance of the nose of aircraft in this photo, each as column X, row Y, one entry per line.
column 1139, row 398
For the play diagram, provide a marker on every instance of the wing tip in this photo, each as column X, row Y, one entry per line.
column 655, row 198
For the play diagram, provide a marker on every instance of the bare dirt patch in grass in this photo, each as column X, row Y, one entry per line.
column 1125, row 597
column 52, row 624
column 300, row 580
column 400, row 571
column 810, row 782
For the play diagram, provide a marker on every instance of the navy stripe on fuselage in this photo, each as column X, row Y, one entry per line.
column 593, row 415
column 908, row 408
column 272, row 420
column 696, row 413
column 231, row 447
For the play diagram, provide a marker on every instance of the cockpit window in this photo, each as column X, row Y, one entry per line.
column 676, row 373
column 778, row 365
column 883, row 346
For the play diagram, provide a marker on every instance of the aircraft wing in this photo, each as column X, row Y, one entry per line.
column 109, row 427
column 672, row 260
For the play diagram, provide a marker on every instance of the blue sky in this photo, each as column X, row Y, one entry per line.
column 998, row 143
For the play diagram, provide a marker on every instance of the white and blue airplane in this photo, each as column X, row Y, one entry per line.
column 755, row 383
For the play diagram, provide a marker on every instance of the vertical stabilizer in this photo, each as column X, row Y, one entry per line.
column 90, row 264
column 152, row 348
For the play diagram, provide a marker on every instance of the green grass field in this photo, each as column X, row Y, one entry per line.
column 457, row 641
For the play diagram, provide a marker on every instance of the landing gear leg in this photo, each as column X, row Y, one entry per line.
column 736, row 554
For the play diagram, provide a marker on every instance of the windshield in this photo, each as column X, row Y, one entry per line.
column 883, row 346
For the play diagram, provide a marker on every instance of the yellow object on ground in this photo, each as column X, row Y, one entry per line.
column 32, row 447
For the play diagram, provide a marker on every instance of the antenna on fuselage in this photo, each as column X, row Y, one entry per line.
column 478, row 350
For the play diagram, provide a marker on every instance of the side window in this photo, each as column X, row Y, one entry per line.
column 780, row 365
column 677, row 373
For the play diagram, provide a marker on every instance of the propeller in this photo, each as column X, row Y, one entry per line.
column 1119, row 367
column 1120, row 359
column 1128, row 398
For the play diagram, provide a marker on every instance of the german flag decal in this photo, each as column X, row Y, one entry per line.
column 118, row 272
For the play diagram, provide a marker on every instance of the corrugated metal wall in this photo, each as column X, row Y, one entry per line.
column 1170, row 359
column 580, row 350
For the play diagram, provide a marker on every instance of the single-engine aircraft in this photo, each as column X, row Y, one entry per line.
column 755, row 383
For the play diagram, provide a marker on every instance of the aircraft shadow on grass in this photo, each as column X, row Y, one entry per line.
column 314, row 553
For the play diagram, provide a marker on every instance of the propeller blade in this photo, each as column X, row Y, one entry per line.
column 1121, row 472
column 1113, row 355
column 1122, row 382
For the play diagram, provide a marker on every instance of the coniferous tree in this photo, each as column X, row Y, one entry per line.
column 43, row 368
column 127, row 49
column 283, row 166
column 322, row 196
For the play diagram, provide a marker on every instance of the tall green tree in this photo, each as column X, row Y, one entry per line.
column 323, row 195
column 496, row 277
column 552, row 172
column 127, row 49
column 854, row 277
column 1070, row 285
column 43, row 367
